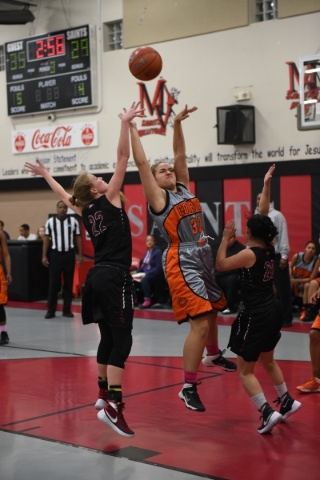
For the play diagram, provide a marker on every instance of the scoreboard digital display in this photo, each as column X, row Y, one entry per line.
column 51, row 72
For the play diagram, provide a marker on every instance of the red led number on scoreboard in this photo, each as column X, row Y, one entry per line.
column 50, row 47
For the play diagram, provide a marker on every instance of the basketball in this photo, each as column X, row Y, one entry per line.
column 145, row 63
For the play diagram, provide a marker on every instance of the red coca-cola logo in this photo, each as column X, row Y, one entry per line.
column 59, row 138
column 19, row 143
column 87, row 136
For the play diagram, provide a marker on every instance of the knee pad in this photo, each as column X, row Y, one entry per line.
column 105, row 345
column 121, row 348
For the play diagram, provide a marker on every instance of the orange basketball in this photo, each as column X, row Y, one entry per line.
column 145, row 63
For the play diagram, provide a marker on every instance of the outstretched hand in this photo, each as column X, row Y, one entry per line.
column 35, row 169
column 184, row 113
column 268, row 175
column 229, row 230
column 132, row 113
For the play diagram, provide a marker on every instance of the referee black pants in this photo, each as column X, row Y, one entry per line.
column 60, row 263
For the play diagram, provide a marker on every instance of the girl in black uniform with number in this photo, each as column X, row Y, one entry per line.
column 256, row 330
column 107, row 297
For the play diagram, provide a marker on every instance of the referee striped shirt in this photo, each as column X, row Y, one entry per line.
column 62, row 233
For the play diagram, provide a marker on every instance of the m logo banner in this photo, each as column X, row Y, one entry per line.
column 60, row 137
column 160, row 108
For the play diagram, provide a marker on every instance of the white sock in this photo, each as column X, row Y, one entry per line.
column 259, row 400
column 3, row 328
column 317, row 379
column 281, row 389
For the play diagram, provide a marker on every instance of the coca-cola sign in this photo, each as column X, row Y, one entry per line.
column 59, row 137
column 19, row 143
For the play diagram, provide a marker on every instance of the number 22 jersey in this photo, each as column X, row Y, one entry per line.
column 109, row 230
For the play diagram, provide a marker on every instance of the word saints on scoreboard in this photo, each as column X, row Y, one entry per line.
column 54, row 71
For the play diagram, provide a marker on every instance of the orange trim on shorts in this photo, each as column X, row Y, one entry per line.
column 220, row 304
column 185, row 303
column 301, row 272
column 316, row 323
column 3, row 287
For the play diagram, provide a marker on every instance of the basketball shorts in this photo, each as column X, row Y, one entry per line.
column 189, row 271
column 316, row 323
column 256, row 331
column 3, row 287
column 108, row 296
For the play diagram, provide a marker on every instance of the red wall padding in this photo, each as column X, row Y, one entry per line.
column 136, row 209
column 296, row 206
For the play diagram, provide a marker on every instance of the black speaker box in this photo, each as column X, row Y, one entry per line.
column 236, row 125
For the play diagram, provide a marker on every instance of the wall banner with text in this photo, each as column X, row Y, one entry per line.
column 58, row 137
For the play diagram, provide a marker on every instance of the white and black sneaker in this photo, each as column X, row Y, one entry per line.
column 190, row 396
column 288, row 405
column 270, row 418
column 218, row 360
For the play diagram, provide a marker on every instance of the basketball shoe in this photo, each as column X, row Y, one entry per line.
column 302, row 315
column 4, row 338
column 270, row 418
column 312, row 386
column 102, row 400
column 112, row 416
column 218, row 360
column 288, row 405
column 190, row 396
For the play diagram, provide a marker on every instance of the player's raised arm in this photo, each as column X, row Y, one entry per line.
column 264, row 204
column 123, row 150
column 155, row 196
column 39, row 169
column 179, row 147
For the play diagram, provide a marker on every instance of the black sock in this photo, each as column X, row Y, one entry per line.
column 115, row 393
column 103, row 383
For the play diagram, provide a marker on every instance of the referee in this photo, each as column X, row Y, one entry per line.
column 64, row 232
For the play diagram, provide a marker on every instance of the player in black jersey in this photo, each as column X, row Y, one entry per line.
column 107, row 297
column 256, row 330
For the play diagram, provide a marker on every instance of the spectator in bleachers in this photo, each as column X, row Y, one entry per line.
column 304, row 268
column 41, row 232
column 151, row 263
column 25, row 233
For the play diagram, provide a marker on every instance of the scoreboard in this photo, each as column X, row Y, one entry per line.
column 54, row 71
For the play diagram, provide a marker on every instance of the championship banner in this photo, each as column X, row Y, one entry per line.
column 59, row 137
